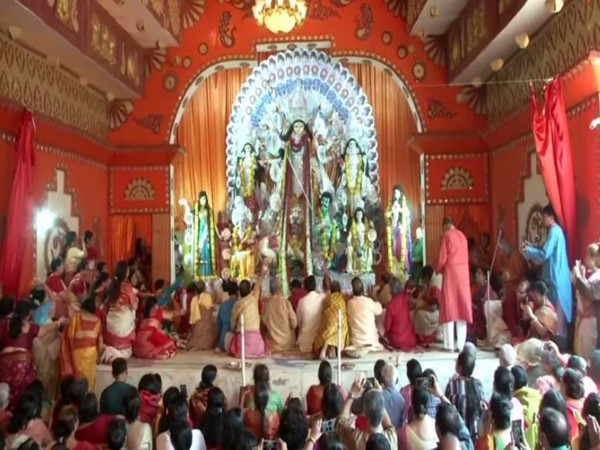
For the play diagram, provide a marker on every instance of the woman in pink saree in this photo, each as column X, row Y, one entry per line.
column 151, row 342
column 119, row 323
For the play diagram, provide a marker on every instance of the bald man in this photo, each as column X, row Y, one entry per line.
column 395, row 405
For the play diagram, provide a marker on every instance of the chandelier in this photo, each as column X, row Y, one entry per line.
column 280, row 16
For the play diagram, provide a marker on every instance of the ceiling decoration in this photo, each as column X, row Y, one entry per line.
column 192, row 10
column 435, row 47
column 119, row 112
column 475, row 97
column 280, row 16
column 398, row 7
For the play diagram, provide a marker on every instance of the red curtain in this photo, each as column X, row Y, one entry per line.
column 20, row 207
column 553, row 146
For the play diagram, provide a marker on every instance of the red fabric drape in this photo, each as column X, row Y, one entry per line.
column 20, row 214
column 553, row 146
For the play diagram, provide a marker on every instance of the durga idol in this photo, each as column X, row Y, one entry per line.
column 398, row 234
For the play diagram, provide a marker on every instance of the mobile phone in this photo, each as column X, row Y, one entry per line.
column 370, row 383
column 516, row 427
column 327, row 426
column 269, row 445
column 424, row 383
column 183, row 389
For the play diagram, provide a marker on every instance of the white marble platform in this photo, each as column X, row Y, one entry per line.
column 291, row 374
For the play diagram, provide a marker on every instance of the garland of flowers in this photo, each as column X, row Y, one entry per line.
column 354, row 188
column 390, row 239
column 403, row 237
column 248, row 183
column 283, row 272
column 195, row 246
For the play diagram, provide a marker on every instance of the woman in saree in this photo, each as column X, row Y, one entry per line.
column 98, row 292
column 46, row 348
column 57, row 289
column 119, row 326
column 326, row 341
column 203, row 334
column 426, row 313
column 78, row 285
column 17, row 367
column 151, row 342
column 81, row 344
column 143, row 258
column 73, row 256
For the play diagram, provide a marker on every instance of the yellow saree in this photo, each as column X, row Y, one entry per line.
column 328, row 328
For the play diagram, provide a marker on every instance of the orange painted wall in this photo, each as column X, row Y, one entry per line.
column 87, row 178
column 512, row 142
column 225, row 31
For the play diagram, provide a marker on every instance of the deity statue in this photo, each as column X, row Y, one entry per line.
column 243, row 237
column 247, row 165
column 328, row 233
column 360, row 244
column 399, row 243
column 204, row 246
column 356, row 174
column 294, row 249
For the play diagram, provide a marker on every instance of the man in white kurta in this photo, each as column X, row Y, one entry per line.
column 362, row 312
column 309, row 312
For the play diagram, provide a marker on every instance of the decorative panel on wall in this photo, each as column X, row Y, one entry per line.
column 461, row 178
column 139, row 190
column 162, row 244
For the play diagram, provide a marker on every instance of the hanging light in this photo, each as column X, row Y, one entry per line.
column 280, row 16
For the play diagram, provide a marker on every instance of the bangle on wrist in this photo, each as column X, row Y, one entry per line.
column 311, row 441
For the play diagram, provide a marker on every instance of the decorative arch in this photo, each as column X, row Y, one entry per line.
column 250, row 62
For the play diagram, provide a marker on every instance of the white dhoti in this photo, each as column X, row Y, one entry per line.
column 461, row 335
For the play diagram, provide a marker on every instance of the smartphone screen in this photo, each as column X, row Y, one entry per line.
column 269, row 445
column 424, row 383
column 183, row 389
column 517, row 431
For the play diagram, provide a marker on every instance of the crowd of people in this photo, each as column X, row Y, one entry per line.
column 50, row 345
column 541, row 398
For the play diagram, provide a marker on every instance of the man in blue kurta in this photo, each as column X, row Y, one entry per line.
column 556, row 273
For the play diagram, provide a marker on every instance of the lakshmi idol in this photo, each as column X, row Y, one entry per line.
column 247, row 166
column 356, row 169
column 398, row 234
column 328, row 233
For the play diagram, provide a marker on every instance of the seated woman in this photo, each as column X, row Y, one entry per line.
column 262, row 423
column 119, row 326
column 553, row 373
column 293, row 427
column 540, row 313
column 199, row 399
column 139, row 434
column 425, row 316
column 419, row 433
column 212, row 422
column 93, row 426
column 26, row 422
column 81, row 344
column 573, row 391
column 399, row 330
column 203, row 334
column 151, row 342
column 17, row 367
column 332, row 404
column 261, row 376
column 179, row 433
column 326, row 341
column 150, row 393
column 64, row 429
column 314, row 395
column 499, row 435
